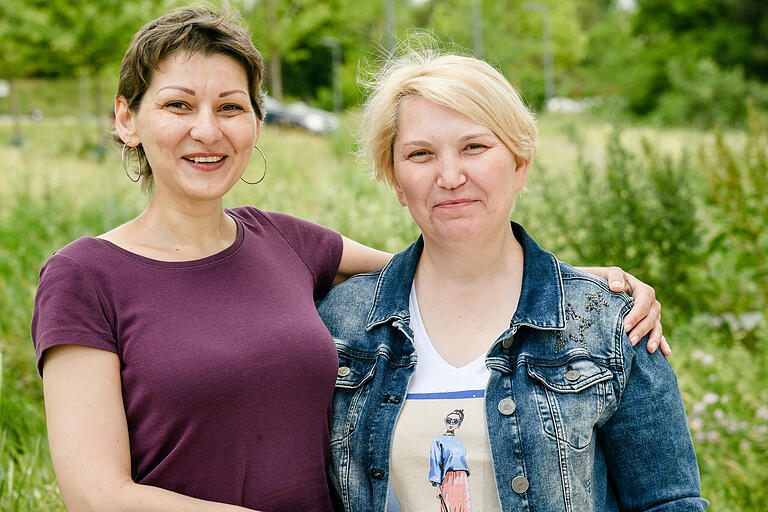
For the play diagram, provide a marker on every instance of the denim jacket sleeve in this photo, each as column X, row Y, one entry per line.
column 650, row 457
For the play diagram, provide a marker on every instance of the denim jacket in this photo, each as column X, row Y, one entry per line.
column 578, row 419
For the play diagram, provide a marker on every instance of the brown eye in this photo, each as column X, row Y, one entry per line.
column 419, row 156
column 176, row 105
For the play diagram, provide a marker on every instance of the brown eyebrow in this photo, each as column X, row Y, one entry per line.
column 183, row 89
column 233, row 91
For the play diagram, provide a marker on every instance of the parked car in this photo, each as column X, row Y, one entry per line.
column 299, row 114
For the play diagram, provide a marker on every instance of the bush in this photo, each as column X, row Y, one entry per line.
column 639, row 211
column 737, row 253
column 703, row 93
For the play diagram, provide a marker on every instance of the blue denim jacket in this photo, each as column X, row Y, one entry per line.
column 578, row 420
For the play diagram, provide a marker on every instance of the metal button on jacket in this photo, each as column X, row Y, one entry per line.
column 507, row 406
column 506, row 343
column 520, row 484
column 344, row 371
column 572, row 375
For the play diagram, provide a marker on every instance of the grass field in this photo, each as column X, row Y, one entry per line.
column 55, row 189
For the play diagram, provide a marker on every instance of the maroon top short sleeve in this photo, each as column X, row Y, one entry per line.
column 79, row 313
column 227, row 369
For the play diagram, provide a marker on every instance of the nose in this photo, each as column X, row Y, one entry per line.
column 205, row 127
column 451, row 173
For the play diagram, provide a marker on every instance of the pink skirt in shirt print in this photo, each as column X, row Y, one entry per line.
column 448, row 468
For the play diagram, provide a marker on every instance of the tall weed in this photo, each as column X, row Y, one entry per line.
column 639, row 210
column 737, row 203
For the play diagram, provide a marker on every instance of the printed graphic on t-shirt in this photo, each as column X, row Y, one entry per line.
column 441, row 456
column 448, row 469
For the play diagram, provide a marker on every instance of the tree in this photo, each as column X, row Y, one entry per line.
column 23, row 36
column 278, row 26
column 512, row 37
column 96, row 34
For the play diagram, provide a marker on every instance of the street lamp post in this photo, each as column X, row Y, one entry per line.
column 477, row 29
column 546, row 39
column 338, row 93
column 389, row 12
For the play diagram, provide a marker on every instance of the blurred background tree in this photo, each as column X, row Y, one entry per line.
column 668, row 61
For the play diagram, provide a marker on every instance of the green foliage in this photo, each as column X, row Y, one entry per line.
column 639, row 210
column 50, row 196
column 737, row 255
column 730, row 32
column 725, row 390
column 707, row 95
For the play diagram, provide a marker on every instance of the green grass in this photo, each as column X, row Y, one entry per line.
column 55, row 189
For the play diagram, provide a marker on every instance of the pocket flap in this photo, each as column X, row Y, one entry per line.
column 354, row 371
column 573, row 377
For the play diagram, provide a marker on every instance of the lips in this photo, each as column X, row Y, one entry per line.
column 205, row 161
column 455, row 203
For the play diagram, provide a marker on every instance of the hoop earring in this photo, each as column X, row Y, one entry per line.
column 125, row 167
column 265, row 168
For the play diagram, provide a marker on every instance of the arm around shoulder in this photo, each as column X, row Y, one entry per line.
column 357, row 258
column 88, row 437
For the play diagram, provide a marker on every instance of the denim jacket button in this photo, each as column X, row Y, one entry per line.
column 507, row 406
column 506, row 343
column 572, row 375
column 520, row 484
column 344, row 371
column 377, row 474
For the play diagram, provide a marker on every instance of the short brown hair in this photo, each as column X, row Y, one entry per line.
column 190, row 30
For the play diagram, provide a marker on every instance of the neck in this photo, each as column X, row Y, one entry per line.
column 194, row 230
column 471, row 262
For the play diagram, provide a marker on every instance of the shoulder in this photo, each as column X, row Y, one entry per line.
column 594, row 314
column 347, row 305
column 254, row 217
column 591, row 291
column 84, row 253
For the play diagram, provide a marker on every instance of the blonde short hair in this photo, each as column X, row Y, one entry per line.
column 467, row 85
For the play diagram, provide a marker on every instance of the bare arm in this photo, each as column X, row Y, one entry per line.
column 88, row 436
column 358, row 258
column 645, row 316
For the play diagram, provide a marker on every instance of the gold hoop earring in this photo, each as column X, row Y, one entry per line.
column 138, row 159
column 264, row 157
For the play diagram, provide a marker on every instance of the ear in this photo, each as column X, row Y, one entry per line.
column 125, row 123
column 399, row 192
column 520, row 176
column 258, row 130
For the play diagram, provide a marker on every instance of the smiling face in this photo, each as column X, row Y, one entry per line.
column 196, row 125
column 456, row 177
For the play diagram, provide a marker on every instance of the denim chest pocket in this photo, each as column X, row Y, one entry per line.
column 571, row 399
column 351, row 393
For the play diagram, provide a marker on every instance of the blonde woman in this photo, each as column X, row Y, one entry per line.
column 560, row 411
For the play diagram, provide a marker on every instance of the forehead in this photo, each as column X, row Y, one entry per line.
column 423, row 118
column 213, row 70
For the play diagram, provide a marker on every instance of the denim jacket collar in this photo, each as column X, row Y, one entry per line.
column 541, row 304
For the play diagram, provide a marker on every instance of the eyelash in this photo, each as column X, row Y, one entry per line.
column 229, row 107
column 424, row 152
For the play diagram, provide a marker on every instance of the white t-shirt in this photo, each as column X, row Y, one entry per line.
column 436, row 449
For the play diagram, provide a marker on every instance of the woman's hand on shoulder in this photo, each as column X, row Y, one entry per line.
column 645, row 316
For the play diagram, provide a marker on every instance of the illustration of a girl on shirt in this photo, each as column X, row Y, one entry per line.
column 448, row 466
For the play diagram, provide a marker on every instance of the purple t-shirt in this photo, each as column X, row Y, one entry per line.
column 227, row 369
